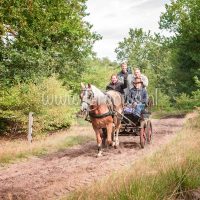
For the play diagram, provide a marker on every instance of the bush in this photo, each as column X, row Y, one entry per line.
column 48, row 100
column 186, row 102
column 163, row 102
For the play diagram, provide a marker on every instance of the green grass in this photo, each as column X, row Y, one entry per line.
column 169, row 113
column 18, row 150
column 169, row 173
column 167, row 184
column 81, row 122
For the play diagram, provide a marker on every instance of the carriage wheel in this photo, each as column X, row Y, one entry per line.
column 149, row 131
column 143, row 134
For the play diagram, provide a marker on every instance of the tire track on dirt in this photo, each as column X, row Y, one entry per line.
column 54, row 175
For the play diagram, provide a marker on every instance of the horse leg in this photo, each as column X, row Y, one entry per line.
column 117, row 138
column 114, row 138
column 117, row 128
column 116, row 132
column 109, row 128
column 99, row 141
column 103, row 136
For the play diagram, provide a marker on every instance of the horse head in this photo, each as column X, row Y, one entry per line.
column 87, row 97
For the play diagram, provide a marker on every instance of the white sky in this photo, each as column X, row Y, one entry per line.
column 113, row 19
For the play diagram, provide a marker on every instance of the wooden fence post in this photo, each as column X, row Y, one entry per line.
column 30, row 126
column 156, row 96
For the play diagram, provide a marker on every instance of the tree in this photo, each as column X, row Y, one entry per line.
column 99, row 71
column 50, row 36
column 183, row 20
column 151, row 54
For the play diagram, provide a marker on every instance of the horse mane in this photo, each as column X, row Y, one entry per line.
column 98, row 95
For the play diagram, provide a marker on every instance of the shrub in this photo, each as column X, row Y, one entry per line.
column 50, row 102
column 186, row 102
column 163, row 102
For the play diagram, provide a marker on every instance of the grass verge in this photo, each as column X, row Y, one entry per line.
column 166, row 114
column 12, row 151
column 168, row 174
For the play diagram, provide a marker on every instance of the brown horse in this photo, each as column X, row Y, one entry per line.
column 105, row 111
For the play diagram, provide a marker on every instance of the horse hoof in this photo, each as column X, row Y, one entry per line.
column 99, row 154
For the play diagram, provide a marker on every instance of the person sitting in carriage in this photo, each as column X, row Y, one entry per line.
column 137, row 98
column 117, row 85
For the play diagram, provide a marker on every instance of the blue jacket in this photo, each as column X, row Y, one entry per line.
column 138, row 96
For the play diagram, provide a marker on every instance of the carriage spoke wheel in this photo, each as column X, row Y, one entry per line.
column 143, row 135
column 149, row 131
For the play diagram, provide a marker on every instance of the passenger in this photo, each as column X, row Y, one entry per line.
column 138, row 97
column 137, row 74
column 125, row 71
column 116, row 85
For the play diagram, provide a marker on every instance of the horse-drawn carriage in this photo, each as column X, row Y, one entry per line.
column 106, row 112
column 137, row 126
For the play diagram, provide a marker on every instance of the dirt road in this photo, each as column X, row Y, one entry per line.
column 50, row 177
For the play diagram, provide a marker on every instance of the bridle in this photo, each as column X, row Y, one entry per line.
column 88, row 102
column 89, row 99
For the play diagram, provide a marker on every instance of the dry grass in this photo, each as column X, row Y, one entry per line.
column 165, row 175
column 11, row 151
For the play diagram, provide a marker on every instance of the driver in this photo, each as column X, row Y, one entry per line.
column 138, row 97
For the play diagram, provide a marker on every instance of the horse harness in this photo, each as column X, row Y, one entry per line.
column 110, row 104
column 111, row 107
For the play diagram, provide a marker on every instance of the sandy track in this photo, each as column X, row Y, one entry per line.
column 54, row 175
